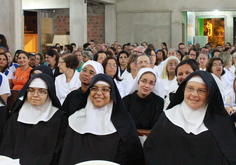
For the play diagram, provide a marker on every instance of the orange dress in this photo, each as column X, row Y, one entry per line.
column 20, row 78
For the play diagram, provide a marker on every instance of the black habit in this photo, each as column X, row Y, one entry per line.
column 145, row 112
column 35, row 144
column 122, row 147
column 170, row 144
column 72, row 101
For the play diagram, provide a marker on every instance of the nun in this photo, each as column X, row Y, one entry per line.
column 4, row 114
column 73, row 99
column 41, row 69
column 101, row 128
column 195, row 128
column 143, row 102
column 35, row 130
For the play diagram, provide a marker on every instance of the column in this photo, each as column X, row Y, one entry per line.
column 78, row 22
column 176, row 29
column 110, row 23
column 12, row 25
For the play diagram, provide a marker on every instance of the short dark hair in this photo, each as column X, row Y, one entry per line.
column 104, row 64
column 180, row 44
column 23, row 52
column 193, row 64
column 71, row 60
column 95, row 57
column 194, row 49
column 209, row 64
column 214, row 51
column 73, row 44
column 118, row 56
column 55, row 47
column 69, row 47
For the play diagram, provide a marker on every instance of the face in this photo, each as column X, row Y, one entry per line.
column 178, row 56
column 159, row 55
column 138, row 51
column 123, row 59
column 37, row 96
column 195, row 99
column 163, row 46
column 80, row 48
column 203, row 59
column 171, row 66
column 146, row 84
column 171, row 53
column 9, row 57
column 62, row 65
column 217, row 68
column 100, row 95
column 193, row 54
column 130, row 50
column 227, row 45
column 87, row 74
column 143, row 62
column 209, row 47
column 50, row 60
column 3, row 61
column 2, row 50
column 189, row 46
column 79, row 56
column 85, row 57
column 153, row 57
column 32, row 61
column 92, row 44
column 204, row 50
column 111, row 68
column 101, row 57
column 37, row 60
column 23, row 59
column 183, row 71
column 182, row 48
column 118, row 49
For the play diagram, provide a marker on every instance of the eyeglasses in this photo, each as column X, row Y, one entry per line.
column 172, row 64
column 60, row 62
column 85, row 56
column 90, row 72
column 201, row 92
column 104, row 90
column 143, row 62
column 40, row 92
column 152, row 55
column 110, row 65
column 135, row 51
column 215, row 65
column 146, row 82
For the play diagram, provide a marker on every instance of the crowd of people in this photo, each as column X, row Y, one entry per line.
column 88, row 102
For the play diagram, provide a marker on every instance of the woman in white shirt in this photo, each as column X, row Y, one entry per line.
column 215, row 67
column 69, row 80
column 168, row 76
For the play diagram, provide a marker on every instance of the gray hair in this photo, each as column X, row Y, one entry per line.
column 143, row 48
column 172, row 49
column 89, row 54
column 143, row 54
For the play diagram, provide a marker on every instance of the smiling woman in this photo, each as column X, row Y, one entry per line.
column 143, row 102
column 22, row 73
column 101, row 128
column 194, row 127
column 36, row 128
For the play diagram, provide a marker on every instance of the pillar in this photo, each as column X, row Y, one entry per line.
column 12, row 24
column 78, row 22
column 110, row 23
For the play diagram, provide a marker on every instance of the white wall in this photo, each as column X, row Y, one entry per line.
column 171, row 6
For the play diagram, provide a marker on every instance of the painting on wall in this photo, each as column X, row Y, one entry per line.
column 214, row 28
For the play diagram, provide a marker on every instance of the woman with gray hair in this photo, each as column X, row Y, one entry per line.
column 168, row 76
column 87, row 55
column 232, row 69
column 227, row 61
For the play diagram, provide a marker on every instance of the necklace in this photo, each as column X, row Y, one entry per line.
column 19, row 78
